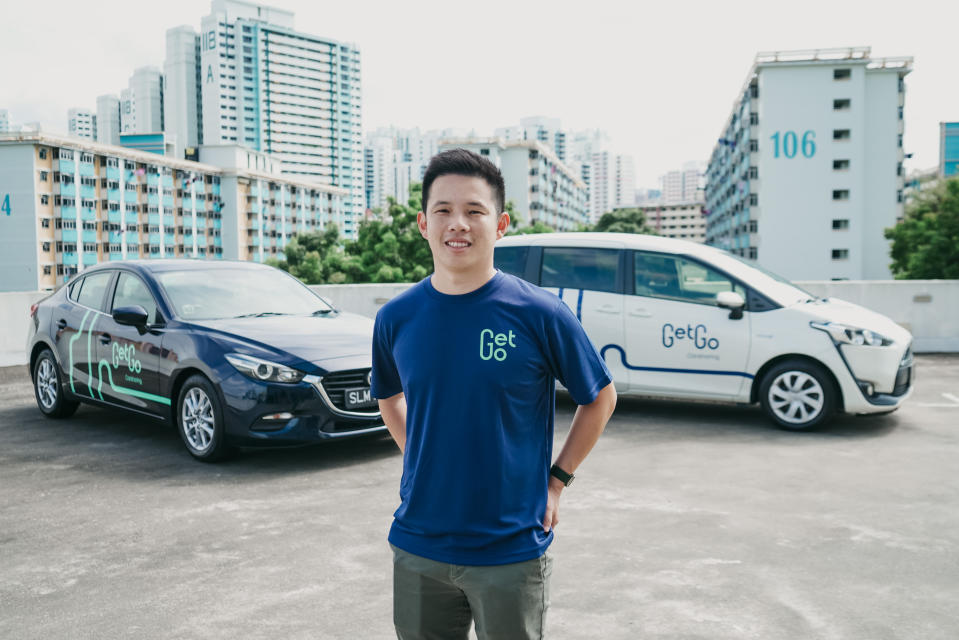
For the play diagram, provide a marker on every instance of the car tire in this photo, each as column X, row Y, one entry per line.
column 48, row 388
column 199, row 420
column 798, row 395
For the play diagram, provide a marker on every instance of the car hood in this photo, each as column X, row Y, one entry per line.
column 345, row 338
column 854, row 315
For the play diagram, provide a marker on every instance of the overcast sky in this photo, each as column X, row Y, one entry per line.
column 661, row 79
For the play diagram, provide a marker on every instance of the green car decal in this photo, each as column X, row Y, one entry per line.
column 120, row 354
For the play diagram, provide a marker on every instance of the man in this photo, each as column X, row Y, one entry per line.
column 464, row 367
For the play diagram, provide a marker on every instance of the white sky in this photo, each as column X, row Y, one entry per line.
column 661, row 79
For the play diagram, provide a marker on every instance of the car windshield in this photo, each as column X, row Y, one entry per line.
column 766, row 282
column 213, row 294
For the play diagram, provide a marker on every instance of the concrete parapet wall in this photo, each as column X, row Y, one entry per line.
column 927, row 308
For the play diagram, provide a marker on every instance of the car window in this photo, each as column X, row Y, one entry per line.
column 92, row 289
column 511, row 260
column 131, row 291
column 659, row 275
column 74, row 291
column 580, row 268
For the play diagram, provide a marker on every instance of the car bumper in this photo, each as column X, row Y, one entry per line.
column 876, row 386
column 273, row 414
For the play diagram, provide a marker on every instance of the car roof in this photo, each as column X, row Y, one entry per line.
column 604, row 239
column 173, row 264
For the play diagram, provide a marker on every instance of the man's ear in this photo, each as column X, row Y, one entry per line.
column 421, row 223
column 502, row 225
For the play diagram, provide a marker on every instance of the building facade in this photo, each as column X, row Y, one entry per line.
column 948, row 149
column 683, row 185
column 540, row 187
column 296, row 96
column 70, row 204
column 82, row 123
column 141, row 103
column 182, row 102
column 807, row 171
column 683, row 220
column 108, row 119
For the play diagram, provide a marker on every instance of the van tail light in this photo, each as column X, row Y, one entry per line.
column 33, row 309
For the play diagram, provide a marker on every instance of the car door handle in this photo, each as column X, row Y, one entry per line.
column 105, row 338
column 61, row 324
column 608, row 309
column 641, row 313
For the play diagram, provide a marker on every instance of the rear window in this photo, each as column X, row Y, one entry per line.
column 511, row 260
column 92, row 289
column 580, row 268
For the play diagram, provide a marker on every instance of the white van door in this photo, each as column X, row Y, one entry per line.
column 589, row 281
column 678, row 342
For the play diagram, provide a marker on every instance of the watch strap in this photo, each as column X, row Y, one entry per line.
column 562, row 476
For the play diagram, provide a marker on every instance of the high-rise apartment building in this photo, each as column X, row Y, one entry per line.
column 540, row 186
column 683, row 185
column 293, row 95
column 549, row 131
column 612, row 183
column 108, row 119
column 182, row 101
column 807, row 172
column 948, row 149
column 678, row 220
column 82, row 123
column 388, row 173
column 141, row 103
column 74, row 203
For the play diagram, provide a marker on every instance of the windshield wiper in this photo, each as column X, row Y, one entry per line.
column 261, row 314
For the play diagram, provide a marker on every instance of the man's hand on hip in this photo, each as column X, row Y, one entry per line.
column 553, row 491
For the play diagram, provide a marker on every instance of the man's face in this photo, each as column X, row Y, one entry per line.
column 461, row 223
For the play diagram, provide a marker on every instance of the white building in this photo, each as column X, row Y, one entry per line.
column 808, row 169
column 540, row 187
column 182, row 114
column 108, row 119
column 294, row 95
column 549, row 131
column 82, row 123
column 612, row 183
column 388, row 173
column 677, row 220
column 683, row 185
column 141, row 103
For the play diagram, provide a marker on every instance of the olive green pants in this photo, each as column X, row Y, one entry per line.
column 437, row 601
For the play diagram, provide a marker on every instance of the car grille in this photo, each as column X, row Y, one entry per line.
column 335, row 384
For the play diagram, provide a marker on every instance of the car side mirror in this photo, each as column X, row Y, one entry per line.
column 134, row 316
column 732, row 301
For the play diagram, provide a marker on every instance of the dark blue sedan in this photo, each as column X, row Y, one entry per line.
column 233, row 353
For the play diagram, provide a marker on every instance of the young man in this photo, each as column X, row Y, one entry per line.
column 464, row 367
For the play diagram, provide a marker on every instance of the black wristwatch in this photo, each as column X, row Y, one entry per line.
column 562, row 476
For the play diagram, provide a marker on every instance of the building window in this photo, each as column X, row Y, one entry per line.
column 841, row 104
column 43, row 176
column 754, row 118
column 840, row 224
column 753, row 226
column 841, row 134
column 840, row 194
column 841, row 74
column 753, row 199
column 753, row 145
column 840, row 254
column 754, row 91
column 44, row 199
column 753, row 172
column 42, row 153
column 840, row 165
column 45, row 223
column 753, row 253
column 899, row 197
column 47, row 269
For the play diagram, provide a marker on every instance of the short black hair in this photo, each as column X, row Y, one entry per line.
column 462, row 162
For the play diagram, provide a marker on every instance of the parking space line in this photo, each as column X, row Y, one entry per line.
column 948, row 396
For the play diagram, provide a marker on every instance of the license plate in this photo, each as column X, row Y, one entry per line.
column 359, row 398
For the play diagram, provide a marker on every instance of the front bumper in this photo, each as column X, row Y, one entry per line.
column 274, row 414
column 883, row 377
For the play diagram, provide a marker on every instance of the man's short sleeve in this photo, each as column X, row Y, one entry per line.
column 385, row 381
column 572, row 357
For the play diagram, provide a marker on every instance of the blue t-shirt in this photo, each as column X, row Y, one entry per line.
column 478, row 371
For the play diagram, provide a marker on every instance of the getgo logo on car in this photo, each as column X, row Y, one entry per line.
column 697, row 335
column 492, row 344
column 126, row 354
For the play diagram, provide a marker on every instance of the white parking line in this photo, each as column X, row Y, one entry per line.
column 948, row 396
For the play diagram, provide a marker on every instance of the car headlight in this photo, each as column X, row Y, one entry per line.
column 846, row 334
column 263, row 369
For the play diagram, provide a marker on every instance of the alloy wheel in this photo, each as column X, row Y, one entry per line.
column 796, row 397
column 197, row 419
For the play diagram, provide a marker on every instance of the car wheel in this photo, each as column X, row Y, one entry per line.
column 48, row 388
column 200, row 420
column 798, row 395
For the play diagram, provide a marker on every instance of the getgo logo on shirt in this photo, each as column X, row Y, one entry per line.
column 492, row 345
column 696, row 334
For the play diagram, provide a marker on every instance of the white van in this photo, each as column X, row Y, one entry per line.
column 679, row 319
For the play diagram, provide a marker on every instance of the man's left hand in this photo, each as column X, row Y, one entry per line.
column 552, row 504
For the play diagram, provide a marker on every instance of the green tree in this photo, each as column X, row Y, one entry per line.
column 536, row 227
column 925, row 245
column 630, row 220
